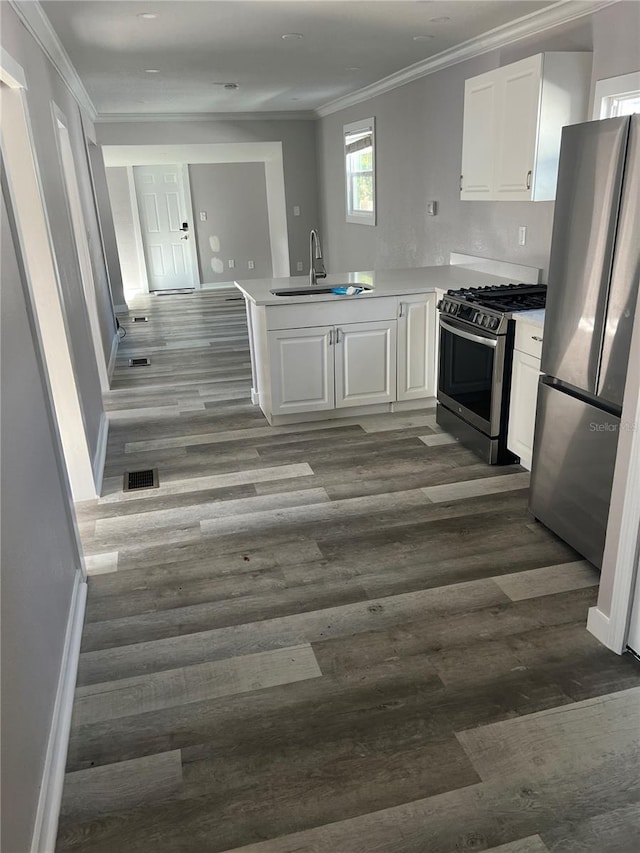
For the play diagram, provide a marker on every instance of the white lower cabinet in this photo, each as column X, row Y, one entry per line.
column 329, row 367
column 302, row 373
column 522, row 409
column 417, row 346
column 365, row 363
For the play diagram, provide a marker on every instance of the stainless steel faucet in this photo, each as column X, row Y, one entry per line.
column 316, row 267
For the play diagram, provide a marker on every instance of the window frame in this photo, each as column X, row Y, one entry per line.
column 611, row 88
column 366, row 125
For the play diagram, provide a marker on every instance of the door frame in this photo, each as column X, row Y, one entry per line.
column 183, row 170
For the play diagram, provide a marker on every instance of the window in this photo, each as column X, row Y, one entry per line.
column 617, row 96
column 360, row 174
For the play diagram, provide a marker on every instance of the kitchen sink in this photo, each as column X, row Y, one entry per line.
column 314, row 290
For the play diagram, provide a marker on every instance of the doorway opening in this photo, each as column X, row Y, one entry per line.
column 23, row 185
column 79, row 230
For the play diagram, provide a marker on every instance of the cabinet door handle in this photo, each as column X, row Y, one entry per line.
column 337, row 336
column 529, row 174
column 330, row 337
column 461, row 183
column 401, row 312
column 536, row 338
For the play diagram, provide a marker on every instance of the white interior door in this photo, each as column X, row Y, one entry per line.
column 168, row 246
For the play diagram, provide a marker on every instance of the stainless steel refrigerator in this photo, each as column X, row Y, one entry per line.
column 591, row 299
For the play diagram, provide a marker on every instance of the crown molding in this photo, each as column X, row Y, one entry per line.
column 34, row 19
column 295, row 115
column 561, row 12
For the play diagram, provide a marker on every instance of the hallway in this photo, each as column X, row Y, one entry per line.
column 332, row 637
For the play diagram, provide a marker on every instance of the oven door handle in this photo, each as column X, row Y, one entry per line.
column 462, row 333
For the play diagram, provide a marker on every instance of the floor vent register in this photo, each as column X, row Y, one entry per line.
column 136, row 480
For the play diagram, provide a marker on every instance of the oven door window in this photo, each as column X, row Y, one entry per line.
column 466, row 374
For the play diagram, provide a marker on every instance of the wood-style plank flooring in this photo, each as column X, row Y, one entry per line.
column 336, row 637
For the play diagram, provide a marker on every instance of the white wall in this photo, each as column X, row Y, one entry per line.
column 133, row 276
column 419, row 143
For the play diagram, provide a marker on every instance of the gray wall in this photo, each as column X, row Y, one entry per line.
column 234, row 197
column 419, row 144
column 46, row 86
column 298, row 152
column 106, row 224
column 39, row 561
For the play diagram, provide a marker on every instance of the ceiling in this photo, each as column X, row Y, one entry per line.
column 196, row 46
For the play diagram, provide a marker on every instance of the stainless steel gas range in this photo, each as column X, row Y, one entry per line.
column 476, row 352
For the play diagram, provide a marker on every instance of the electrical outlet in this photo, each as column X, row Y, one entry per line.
column 203, row 216
column 522, row 235
column 299, row 266
column 251, row 265
column 296, row 210
column 232, row 264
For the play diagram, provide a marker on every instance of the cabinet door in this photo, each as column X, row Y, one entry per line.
column 416, row 347
column 365, row 355
column 478, row 135
column 522, row 409
column 301, row 370
column 520, row 89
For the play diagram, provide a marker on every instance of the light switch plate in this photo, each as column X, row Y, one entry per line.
column 299, row 266
column 432, row 208
column 232, row 264
column 251, row 265
column 522, row 235
column 296, row 210
column 203, row 216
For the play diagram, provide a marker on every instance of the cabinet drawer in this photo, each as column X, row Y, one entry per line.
column 332, row 313
column 529, row 338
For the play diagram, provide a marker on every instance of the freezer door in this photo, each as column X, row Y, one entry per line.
column 586, row 211
column 573, row 460
column 623, row 291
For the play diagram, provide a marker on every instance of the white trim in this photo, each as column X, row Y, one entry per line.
column 46, row 823
column 101, row 453
column 11, row 74
column 611, row 86
column 525, row 27
column 599, row 625
column 191, row 243
column 112, row 355
column 34, row 19
column 125, row 118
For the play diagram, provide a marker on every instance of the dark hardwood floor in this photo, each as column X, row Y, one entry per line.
column 338, row 637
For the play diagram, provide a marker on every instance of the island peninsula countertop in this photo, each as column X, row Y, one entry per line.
column 384, row 282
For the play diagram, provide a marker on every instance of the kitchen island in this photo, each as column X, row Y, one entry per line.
column 322, row 355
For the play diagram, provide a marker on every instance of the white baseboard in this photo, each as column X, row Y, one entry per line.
column 46, row 823
column 112, row 357
column 101, row 453
column 217, row 285
column 121, row 309
column 599, row 625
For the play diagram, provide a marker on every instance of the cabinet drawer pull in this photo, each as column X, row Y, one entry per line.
column 536, row 338
column 529, row 174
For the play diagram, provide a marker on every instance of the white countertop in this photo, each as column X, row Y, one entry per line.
column 384, row 282
column 536, row 317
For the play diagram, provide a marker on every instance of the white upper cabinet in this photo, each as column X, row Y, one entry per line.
column 513, row 120
column 476, row 179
